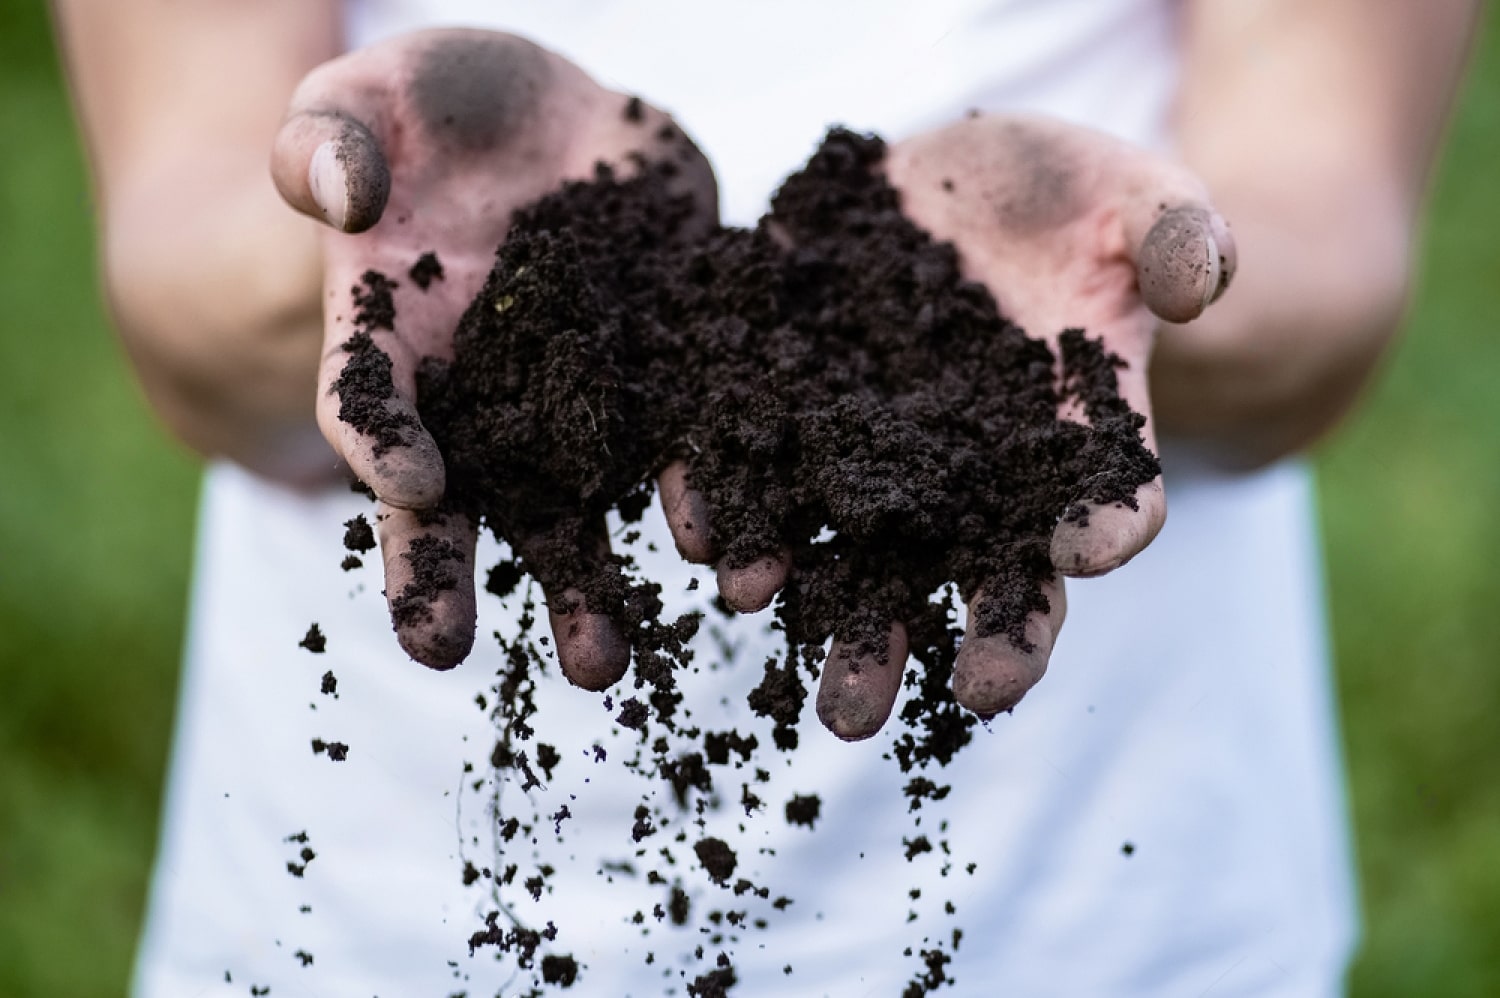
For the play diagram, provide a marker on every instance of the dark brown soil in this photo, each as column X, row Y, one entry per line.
column 850, row 399
column 853, row 400
column 336, row 751
column 717, row 858
column 435, row 564
column 803, row 809
column 364, row 386
column 359, row 536
column 426, row 270
column 314, row 640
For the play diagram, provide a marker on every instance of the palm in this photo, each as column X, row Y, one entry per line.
column 427, row 144
column 1067, row 228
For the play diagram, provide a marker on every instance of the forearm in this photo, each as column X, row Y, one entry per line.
column 1277, row 362
column 214, row 285
column 219, row 310
column 1314, row 124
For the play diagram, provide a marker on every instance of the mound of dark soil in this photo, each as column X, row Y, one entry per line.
column 838, row 390
column 836, row 386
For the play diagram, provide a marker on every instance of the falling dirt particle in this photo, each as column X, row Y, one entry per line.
column 718, row 859
column 359, row 536
column 313, row 640
column 803, row 809
column 559, row 970
column 337, row 751
column 632, row 714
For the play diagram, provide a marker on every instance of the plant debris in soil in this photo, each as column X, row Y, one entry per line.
column 838, row 390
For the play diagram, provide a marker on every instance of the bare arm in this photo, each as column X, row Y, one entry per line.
column 1315, row 124
column 213, row 284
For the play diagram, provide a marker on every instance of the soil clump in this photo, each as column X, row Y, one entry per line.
column 836, row 386
column 839, row 392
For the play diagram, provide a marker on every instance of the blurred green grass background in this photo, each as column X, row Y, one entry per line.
column 96, row 509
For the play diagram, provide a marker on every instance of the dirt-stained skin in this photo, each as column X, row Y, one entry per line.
column 472, row 92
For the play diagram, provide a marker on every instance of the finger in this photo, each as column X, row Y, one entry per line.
column 1185, row 258
column 590, row 649
column 327, row 160
column 992, row 673
column 328, row 166
column 686, row 512
column 858, row 687
column 1095, row 538
column 367, row 390
column 751, row 587
column 429, row 582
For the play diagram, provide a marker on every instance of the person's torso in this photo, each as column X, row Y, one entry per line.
column 1184, row 714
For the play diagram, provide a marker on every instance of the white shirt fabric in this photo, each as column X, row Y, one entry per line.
column 1187, row 710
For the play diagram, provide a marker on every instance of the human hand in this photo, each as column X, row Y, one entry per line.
column 1067, row 228
column 428, row 143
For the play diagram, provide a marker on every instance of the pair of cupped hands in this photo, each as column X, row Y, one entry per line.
column 430, row 141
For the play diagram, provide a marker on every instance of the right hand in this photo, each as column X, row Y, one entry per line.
column 428, row 143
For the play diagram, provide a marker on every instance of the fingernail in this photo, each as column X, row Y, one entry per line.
column 329, row 184
column 1179, row 267
column 1225, row 252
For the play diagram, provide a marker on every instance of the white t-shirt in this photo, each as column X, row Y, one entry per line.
column 1186, row 713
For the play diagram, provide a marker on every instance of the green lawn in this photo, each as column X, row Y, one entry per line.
column 1409, row 490
column 96, row 506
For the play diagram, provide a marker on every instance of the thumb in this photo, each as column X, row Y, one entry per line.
column 1184, row 257
column 327, row 161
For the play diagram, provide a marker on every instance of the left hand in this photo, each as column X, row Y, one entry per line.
column 1068, row 228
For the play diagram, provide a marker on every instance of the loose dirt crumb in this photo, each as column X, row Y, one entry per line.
column 314, row 640
column 803, row 809
column 359, row 536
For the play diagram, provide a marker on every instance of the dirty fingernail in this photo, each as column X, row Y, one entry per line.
column 329, row 184
column 1179, row 270
column 1226, row 251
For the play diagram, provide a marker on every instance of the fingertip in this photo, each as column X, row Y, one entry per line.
column 429, row 576
column 444, row 642
column 398, row 459
column 328, row 165
column 753, row 587
column 591, row 651
column 1093, row 539
column 991, row 675
column 1180, row 265
column 857, row 690
column 687, row 514
column 991, row 672
column 412, row 475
